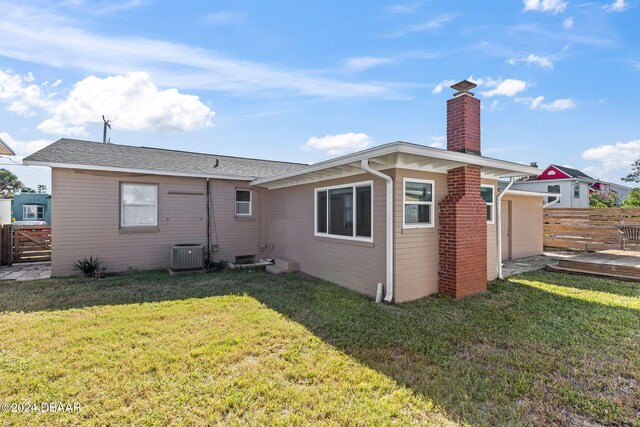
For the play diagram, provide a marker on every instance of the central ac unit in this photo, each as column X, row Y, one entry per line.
column 187, row 258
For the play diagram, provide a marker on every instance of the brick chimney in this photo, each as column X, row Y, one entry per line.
column 463, row 212
column 463, row 120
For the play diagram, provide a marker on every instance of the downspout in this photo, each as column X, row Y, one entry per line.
column 208, row 254
column 499, row 228
column 555, row 200
column 389, row 227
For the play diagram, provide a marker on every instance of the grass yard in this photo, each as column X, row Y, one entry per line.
column 250, row 348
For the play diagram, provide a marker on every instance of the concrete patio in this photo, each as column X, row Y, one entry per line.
column 26, row 271
column 512, row 267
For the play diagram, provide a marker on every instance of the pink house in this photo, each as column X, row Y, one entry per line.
column 416, row 219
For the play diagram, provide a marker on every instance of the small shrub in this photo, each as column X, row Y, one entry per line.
column 217, row 265
column 90, row 267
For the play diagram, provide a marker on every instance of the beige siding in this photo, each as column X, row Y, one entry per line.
column 492, row 235
column 86, row 219
column 415, row 249
column 238, row 235
column 355, row 265
column 526, row 227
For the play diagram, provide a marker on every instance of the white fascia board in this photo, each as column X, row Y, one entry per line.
column 137, row 171
column 511, row 169
column 538, row 181
column 531, row 193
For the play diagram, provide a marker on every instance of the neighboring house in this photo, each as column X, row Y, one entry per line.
column 5, row 150
column 573, row 185
column 416, row 219
column 31, row 207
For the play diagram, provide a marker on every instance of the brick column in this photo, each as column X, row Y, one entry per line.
column 463, row 235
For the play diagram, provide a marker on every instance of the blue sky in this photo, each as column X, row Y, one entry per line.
column 306, row 81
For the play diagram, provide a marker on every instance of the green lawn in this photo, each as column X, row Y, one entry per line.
column 250, row 348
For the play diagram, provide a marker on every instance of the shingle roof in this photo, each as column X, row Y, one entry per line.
column 573, row 173
column 104, row 156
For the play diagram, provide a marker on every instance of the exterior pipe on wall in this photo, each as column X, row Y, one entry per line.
column 208, row 254
column 553, row 202
column 389, row 226
column 499, row 228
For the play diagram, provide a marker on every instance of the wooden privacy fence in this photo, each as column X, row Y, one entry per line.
column 26, row 243
column 588, row 228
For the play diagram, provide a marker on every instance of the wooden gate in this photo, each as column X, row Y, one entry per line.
column 31, row 243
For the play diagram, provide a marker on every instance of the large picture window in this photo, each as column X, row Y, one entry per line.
column 344, row 211
column 33, row 212
column 138, row 205
column 418, row 203
column 487, row 193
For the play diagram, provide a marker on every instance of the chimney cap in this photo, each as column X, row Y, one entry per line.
column 463, row 87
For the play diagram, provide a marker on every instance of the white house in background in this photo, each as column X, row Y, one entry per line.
column 573, row 185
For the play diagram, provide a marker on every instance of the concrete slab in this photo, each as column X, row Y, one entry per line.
column 26, row 271
column 533, row 263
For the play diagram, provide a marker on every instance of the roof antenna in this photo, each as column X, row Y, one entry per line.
column 107, row 124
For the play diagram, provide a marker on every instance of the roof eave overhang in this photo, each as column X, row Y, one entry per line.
column 135, row 171
column 397, row 155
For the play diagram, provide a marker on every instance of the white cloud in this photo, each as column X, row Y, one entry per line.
column 110, row 7
column 432, row 24
column 613, row 159
column 222, row 17
column 437, row 141
column 405, row 8
column 440, row 86
column 557, row 105
column 362, row 63
column 24, row 148
column 568, row 23
column 617, row 6
column 540, row 61
column 131, row 101
column 171, row 64
column 340, row 144
column 553, row 6
column 494, row 106
column 22, row 94
column 508, row 87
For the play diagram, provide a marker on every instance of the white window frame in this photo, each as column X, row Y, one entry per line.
column 353, row 185
column 250, row 202
column 122, row 204
column 576, row 184
column 38, row 208
column 493, row 202
column 549, row 191
column 432, row 203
